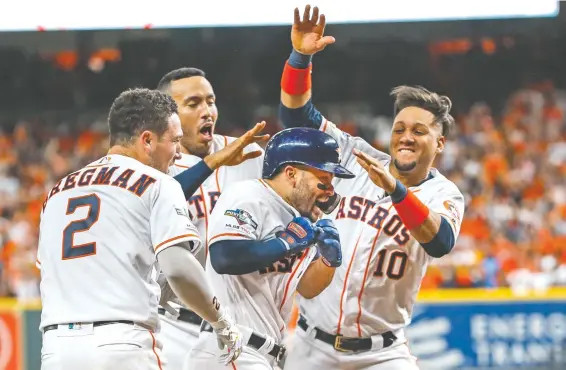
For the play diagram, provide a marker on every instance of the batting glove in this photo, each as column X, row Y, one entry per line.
column 298, row 236
column 328, row 243
column 229, row 337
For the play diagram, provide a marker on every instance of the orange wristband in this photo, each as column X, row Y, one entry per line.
column 412, row 211
column 295, row 81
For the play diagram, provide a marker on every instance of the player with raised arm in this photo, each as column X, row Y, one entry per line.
column 200, row 146
column 102, row 228
column 263, row 246
column 397, row 216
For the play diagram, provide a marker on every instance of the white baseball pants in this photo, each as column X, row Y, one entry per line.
column 107, row 347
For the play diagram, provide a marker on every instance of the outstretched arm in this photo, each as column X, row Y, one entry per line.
column 307, row 35
column 231, row 155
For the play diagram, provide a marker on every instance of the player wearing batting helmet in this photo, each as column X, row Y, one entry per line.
column 397, row 216
column 264, row 247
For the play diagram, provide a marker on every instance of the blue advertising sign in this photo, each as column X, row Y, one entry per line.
column 488, row 334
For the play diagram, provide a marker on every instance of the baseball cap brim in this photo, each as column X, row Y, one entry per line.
column 338, row 170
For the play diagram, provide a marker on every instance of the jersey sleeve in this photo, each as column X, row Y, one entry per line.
column 170, row 221
column 449, row 203
column 235, row 217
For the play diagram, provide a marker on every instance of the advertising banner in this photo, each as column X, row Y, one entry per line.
column 489, row 334
column 10, row 343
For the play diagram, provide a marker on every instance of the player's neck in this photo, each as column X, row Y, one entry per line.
column 126, row 152
column 184, row 150
column 279, row 189
column 413, row 178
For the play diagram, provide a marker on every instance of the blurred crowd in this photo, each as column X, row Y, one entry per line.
column 511, row 166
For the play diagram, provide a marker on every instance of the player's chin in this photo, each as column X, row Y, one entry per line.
column 202, row 149
column 404, row 165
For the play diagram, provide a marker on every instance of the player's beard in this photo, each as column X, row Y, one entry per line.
column 303, row 200
column 155, row 164
column 196, row 148
column 404, row 167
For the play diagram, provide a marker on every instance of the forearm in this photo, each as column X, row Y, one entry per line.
column 193, row 177
column 317, row 277
column 296, row 108
column 296, row 81
column 429, row 228
column 188, row 281
column 238, row 257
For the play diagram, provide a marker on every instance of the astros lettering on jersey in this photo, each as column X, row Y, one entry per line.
column 101, row 228
column 375, row 288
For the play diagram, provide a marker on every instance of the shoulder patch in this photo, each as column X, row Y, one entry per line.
column 243, row 217
column 451, row 208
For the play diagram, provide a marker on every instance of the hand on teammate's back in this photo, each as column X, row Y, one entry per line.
column 233, row 154
column 307, row 35
column 328, row 243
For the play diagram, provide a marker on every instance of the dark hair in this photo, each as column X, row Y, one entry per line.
column 137, row 110
column 178, row 74
column 418, row 96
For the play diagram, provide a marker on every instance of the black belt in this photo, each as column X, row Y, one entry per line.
column 347, row 344
column 256, row 341
column 184, row 315
column 95, row 324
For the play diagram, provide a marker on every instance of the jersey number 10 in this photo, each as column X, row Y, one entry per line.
column 396, row 263
column 70, row 250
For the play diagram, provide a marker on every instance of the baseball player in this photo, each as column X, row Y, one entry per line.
column 102, row 228
column 397, row 216
column 261, row 244
column 195, row 97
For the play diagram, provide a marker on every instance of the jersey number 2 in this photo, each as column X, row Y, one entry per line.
column 70, row 250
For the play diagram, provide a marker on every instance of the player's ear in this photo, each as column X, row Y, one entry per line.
column 291, row 174
column 146, row 139
column 440, row 144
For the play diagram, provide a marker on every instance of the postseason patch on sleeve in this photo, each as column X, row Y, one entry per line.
column 242, row 217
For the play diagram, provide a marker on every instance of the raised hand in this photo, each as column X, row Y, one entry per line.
column 376, row 171
column 233, row 154
column 307, row 35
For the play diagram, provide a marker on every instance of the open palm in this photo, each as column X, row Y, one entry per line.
column 307, row 35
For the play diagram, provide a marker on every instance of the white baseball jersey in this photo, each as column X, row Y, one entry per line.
column 101, row 228
column 262, row 300
column 375, row 288
column 203, row 201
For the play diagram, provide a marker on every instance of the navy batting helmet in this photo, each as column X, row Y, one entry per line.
column 306, row 146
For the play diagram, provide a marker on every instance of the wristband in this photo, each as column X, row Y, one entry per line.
column 295, row 81
column 410, row 209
